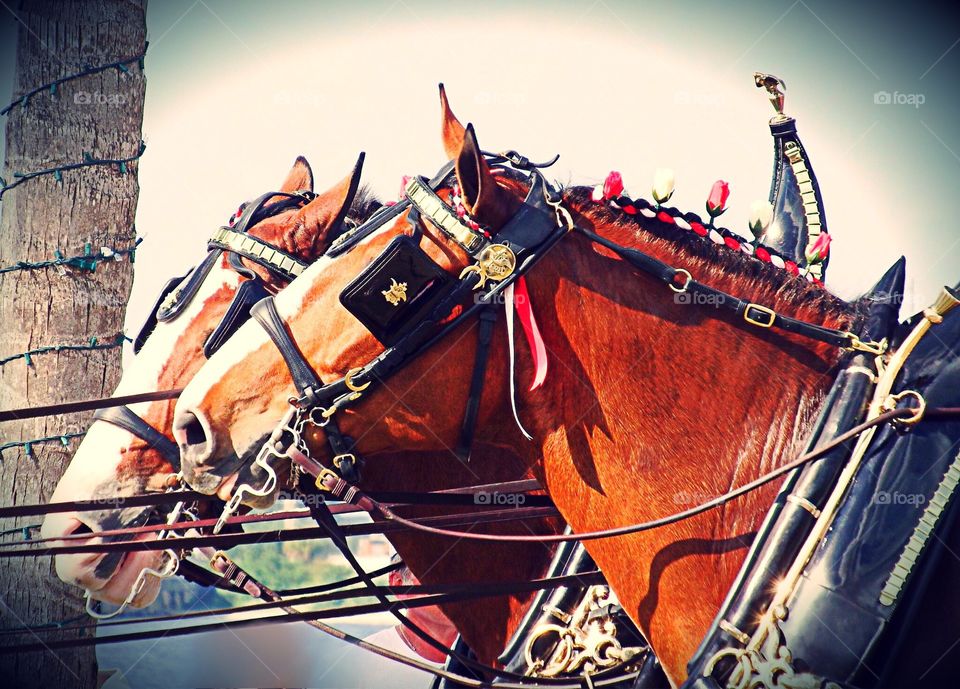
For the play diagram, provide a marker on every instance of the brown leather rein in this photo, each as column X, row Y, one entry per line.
column 384, row 505
column 329, row 481
column 87, row 405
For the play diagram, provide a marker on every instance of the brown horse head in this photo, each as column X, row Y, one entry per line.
column 111, row 461
column 485, row 624
column 227, row 411
column 654, row 402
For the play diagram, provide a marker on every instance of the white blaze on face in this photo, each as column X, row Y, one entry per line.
column 96, row 462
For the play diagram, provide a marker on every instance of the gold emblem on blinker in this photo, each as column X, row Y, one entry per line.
column 496, row 263
column 396, row 293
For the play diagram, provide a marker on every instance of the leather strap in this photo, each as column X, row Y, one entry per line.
column 347, row 463
column 753, row 314
column 87, row 405
column 177, row 300
column 116, row 502
column 333, row 592
column 381, row 217
column 248, row 293
column 146, row 330
column 488, row 317
column 123, row 417
column 327, row 480
column 325, row 520
column 533, row 223
column 307, row 382
column 451, row 496
column 258, row 251
column 200, row 575
column 431, row 206
column 277, row 534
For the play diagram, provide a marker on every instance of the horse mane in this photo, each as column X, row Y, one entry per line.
column 717, row 264
column 364, row 204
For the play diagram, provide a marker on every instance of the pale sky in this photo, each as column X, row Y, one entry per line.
column 236, row 90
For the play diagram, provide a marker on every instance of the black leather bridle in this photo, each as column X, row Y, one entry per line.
column 177, row 294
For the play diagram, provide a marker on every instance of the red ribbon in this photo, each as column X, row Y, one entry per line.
column 521, row 299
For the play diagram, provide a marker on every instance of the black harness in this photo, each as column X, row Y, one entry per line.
column 409, row 303
column 425, row 317
column 177, row 293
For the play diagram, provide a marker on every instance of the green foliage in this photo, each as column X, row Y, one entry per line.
column 292, row 564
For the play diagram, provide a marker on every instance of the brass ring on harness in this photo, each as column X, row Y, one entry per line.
column 686, row 283
column 892, row 401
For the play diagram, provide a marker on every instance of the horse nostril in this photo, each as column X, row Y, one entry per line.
column 190, row 434
column 59, row 525
column 194, row 431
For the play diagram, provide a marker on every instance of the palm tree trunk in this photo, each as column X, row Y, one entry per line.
column 97, row 116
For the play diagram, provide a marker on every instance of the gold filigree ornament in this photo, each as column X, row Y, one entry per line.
column 496, row 262
column 768, row 667
column 583, row 641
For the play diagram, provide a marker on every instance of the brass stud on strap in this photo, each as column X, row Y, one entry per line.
column 433, row 208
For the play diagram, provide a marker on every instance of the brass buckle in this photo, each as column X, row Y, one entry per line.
column 474, row 244
column 338, row 460
column 217, row 557
column 324, row 472
column 348, row 381
column 875, row 348
column 762, row 309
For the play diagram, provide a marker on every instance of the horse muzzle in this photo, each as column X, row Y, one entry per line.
column 107, row 576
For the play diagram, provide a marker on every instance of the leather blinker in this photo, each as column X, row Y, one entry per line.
column 151, row 322
column 395, row 291
column 238, row 313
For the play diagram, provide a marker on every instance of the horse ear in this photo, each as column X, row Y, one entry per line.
column 325, row 214
column 300, row 177
column 482, row 197
column 451, row 129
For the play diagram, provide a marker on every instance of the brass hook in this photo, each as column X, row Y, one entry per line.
column 348, row 381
